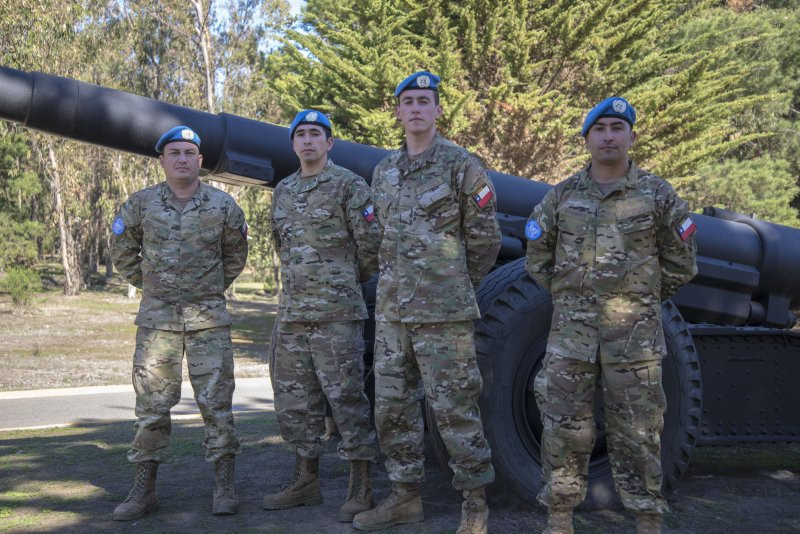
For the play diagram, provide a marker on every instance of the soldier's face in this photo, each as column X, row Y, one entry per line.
column 609, row 140
column 181, row 162
column 310, row 144
column 417, row 110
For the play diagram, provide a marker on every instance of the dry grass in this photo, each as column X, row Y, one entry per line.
column 88, row 340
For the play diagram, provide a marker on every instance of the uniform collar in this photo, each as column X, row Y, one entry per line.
column 406, row 164
column 303, row 185
column 628, row 181
column 200, row 195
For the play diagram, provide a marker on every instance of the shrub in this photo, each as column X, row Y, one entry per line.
column 21, row 283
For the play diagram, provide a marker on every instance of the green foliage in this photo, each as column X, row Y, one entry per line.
column 261, row 254
column 518, row 77
column 761, row 187
column 21, row 283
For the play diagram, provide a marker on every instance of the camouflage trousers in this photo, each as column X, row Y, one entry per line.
column 157, row 382
column 312, row 362
column 435, row 361
column 633, row 404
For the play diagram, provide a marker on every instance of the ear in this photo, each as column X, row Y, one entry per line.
column 330, row 143
column 397, row 111
column 199, row 159
column 439, row 110
column 634, row 136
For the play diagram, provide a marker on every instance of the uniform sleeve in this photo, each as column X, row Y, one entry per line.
column 273, row 228
column 363, row 226
column 541, row 232
column 376, row 178
column 234, row 244
column 126, row 241
column 481, row 230
column 677, row 254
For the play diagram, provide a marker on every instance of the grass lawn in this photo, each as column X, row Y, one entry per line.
column 89, row 339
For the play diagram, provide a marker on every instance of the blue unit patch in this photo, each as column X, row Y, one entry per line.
column 118, row 226
column 532, row 230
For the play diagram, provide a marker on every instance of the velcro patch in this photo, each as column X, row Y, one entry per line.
column 368, row 213
column 118, row 226
column 686, row 228
column 532, row 230
column 482, row 195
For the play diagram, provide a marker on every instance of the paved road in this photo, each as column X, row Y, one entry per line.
column 59, row 407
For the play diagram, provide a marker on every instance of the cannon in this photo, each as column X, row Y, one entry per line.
column 731, row 372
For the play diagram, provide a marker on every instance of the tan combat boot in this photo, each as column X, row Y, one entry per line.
column 142, row 497
column 225, row 501
column 403, row 505
column 359, row 492
column 303, row 490
column 559, row 521
column 648, row 523
column 474, row 513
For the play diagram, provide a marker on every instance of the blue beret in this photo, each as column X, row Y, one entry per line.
column 310, row 116
column 178, row 133
column 614, row 106
column 419, row 80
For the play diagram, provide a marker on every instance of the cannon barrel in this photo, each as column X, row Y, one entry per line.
column 749, row 270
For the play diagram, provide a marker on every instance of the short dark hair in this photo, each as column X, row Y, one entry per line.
column 435, row 97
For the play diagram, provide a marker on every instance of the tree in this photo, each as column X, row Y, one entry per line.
column 519, row 76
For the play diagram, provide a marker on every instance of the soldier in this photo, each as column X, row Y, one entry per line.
column 324, row 229
column 436, row 208
column 610, row 243
column 182, row 243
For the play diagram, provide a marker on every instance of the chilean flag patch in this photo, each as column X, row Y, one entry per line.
column 686, row 228
column 483, row 196
column 368, row 213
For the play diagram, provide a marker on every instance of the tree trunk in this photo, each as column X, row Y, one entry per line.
column 73, row 283
column 204, row 37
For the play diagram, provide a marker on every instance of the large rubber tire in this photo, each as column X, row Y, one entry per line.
column 510, row 342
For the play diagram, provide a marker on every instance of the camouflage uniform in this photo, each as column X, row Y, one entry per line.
column 440, row 237
column 608, row 260
column 183, row 259
column 326, row 234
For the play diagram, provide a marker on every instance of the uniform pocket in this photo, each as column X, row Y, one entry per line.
column 638, row 234
column 436, row 201
column 211, row 228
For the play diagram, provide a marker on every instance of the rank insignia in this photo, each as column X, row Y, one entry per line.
column 686, row 228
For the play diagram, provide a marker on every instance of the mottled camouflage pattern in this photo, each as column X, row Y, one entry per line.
column 437, row 361
column 181, row 258
column 157, row 382
column 327, row 247
column 608, row 259
column 437, row 242
column 634, row 402
column 313, row 361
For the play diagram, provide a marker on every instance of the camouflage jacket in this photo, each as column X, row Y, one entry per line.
column 440, row 234
column 608, row 261
column 182, row 260
column 325, row 230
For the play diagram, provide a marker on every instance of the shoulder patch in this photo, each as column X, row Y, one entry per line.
column 482, row 194
column 532, row 230
column 118, row 226
column 686, row 228
column 368, row 213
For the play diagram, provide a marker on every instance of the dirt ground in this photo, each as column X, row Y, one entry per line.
column 70, row 479
column 89, row 339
